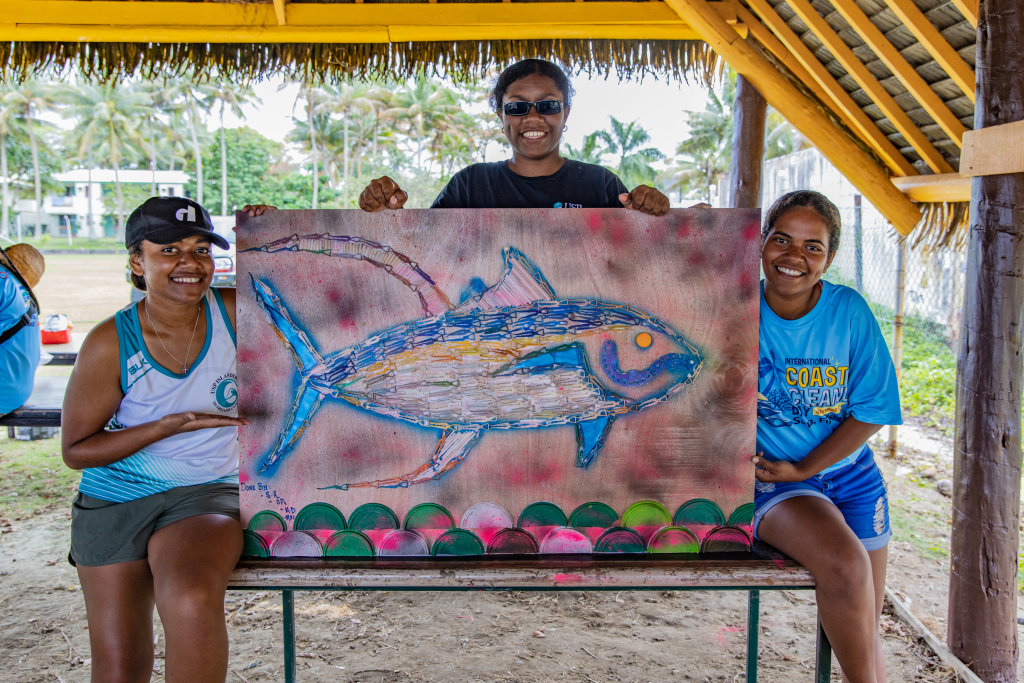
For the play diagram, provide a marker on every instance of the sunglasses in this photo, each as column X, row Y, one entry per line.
column 544, row 108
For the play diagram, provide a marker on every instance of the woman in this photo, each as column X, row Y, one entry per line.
column 532, row 100
column 826, row 384
column 150, row 418
column 21, row 267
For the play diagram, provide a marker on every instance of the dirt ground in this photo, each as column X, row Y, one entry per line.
column 87, row 288
column 500, row 637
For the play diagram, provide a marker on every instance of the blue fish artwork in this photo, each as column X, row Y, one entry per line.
column 513, row 356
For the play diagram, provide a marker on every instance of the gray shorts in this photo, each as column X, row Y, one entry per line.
column 105, row 533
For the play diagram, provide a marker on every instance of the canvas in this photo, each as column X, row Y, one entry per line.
column 505, row 382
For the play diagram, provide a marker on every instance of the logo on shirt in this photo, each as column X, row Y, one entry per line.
column 567, row 205
column 801, row 391
column 225, row 392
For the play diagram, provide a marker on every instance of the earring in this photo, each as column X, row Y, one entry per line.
column 565, row 127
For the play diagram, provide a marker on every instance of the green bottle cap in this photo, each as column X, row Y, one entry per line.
column 725, row 539
column 348, row 543
column 319, row 516
column 742, row 516
column 647, row 513
column 458, row 542
column 372, row 516
column 593, row 515
column 541, row 514
column 674, row 539
column 620, row 540
column 253, row 545
column 699, row 511
column 267, row 520
column 428, row 516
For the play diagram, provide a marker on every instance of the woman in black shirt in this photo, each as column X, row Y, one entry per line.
column 532, row 98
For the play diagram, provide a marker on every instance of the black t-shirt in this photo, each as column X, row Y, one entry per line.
column 494, row 186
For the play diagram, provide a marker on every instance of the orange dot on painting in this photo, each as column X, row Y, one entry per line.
column 643, row 340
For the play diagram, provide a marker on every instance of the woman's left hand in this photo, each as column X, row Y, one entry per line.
column 776, row 472
column 257, row 209
column 647, row 199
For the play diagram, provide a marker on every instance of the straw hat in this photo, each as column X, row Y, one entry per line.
column 28, row 261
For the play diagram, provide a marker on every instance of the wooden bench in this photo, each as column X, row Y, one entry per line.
column 763, row 569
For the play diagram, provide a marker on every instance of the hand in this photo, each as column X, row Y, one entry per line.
column 701, row 205
column 382, row 194
column 179, row 423
column 646, row 199
column 257, row 209
column 776, row 472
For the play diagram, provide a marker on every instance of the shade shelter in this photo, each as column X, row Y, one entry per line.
column 891, row 91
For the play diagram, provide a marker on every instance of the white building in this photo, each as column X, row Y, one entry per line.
column 73, row 207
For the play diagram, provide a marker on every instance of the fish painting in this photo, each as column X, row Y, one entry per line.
column 514, row 356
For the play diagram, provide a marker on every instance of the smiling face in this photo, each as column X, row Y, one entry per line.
column 533, row 136
column 794, row 257
column 180, row 271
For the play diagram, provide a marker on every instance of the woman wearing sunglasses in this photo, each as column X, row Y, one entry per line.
column 532, row 99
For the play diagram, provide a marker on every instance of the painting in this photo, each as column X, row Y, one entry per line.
column 497, row 382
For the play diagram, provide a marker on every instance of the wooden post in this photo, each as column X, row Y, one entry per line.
column 748, row 115
column 987, row 459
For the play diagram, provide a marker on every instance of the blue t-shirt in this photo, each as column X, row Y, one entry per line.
column 19, row 355
column 816, row 371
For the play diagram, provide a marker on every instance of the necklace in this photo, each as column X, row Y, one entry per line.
column 184, row 365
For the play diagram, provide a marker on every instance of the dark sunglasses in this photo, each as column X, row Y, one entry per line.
column 544, row 108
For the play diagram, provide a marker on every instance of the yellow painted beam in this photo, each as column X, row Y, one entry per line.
column 204, row 14
column 279, row 11
column 901, row 68
column 852, row 161
column 944, row 187
column 882, row 99
column 35, row 20
column 938, row 47
column 968, row 8
column 813, row 72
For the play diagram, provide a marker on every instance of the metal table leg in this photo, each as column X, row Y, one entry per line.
column 753, row 630
column 288, row 613
column 822, row 657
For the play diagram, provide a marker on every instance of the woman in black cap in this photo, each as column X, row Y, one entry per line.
column 532, row 99
column 150, row 419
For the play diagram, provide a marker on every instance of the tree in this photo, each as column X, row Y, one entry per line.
column 419, row 109
column 28, row 97
column 249, row 160
column 106, row 117
column 625, row 139
column 589, row 153
column 705, row 154
column 232, row 96
column 185, row 95
column 782, row 137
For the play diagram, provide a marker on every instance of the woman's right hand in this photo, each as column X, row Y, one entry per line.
column 382, row 194
column 179, row 423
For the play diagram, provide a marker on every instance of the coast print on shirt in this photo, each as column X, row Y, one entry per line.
column 801, row 391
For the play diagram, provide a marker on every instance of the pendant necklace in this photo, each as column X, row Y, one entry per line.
column 184, row 366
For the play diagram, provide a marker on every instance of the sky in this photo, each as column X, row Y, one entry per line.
column 657, row 105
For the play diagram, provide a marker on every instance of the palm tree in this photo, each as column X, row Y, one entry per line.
column 313, row 97
column 706, row 151
column 420, row 108
column 9, row 121
column 782, row 137
column 589, row 153
column 228, row 95
column 29, row 96
column 634, row 163
column 107, row 117
column 188, row 96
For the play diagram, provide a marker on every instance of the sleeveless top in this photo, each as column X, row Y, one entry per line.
column 152, row 391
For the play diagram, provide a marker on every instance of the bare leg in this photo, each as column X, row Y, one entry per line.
column 119, row 607
column 813, row 532
column 191, row 561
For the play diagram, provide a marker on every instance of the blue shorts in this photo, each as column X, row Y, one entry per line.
column 858, row 490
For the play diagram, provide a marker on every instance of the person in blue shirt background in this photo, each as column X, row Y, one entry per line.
column 826, row 384
column 21, row 268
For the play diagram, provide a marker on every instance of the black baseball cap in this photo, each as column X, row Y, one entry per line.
column 163, row 220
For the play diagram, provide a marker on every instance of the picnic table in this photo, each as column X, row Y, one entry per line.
column 764, row 568
column 66, row 354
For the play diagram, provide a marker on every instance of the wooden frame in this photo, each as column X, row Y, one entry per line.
column 812, row 72
column 899, row 66
column 105, row 21
column 938, row 47
column 879, row 95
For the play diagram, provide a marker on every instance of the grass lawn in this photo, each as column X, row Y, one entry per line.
column 33, row 478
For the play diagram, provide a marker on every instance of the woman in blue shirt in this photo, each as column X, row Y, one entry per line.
column 826, row 384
